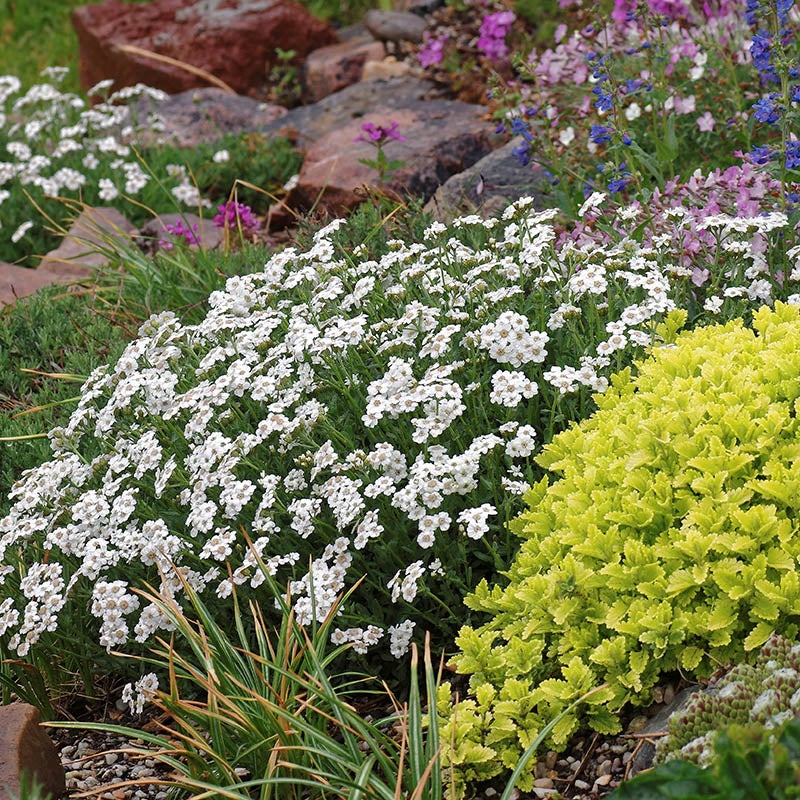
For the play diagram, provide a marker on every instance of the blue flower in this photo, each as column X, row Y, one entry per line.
column 618, row 184
column 792, row 155
column 761, row 154
column 604, row 102
column 600, row 134
column 520, row 128
column 626, row 140
column 523, row 153
column 767, row 110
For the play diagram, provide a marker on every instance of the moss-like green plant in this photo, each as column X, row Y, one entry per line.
column 765, row 693
column 669, row 542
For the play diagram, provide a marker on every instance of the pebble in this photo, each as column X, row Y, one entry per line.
column 490, row 792
column 603, row 780
column 604, row 767
column 111, row 758
column 543, row 783
column 579, row 784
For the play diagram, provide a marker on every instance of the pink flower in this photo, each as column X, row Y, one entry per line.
column 706, row 122
column 684, row 105
column 432, row 52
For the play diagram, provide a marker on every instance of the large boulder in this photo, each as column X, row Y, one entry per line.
column 442, row 137
column 202, row 116
column 307, row 124
column 490, row 185
column 26, row 750
column 233, row 40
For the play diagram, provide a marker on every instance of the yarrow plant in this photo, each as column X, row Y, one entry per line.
column 351, row 416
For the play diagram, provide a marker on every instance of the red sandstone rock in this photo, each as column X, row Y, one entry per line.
column 442, row 138
column 233, row 40
column 26, row 748
column 16, row 282
column 78, row 254
column 331, row 68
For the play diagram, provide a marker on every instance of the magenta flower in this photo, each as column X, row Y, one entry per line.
column 379, row 134
column 234, row 216
column 432, row 52
column 180, row 229
column 492, row 39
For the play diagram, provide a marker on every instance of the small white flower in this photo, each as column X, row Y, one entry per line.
column 21, row 231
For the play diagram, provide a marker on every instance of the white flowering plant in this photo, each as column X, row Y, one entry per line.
column 54, row 145
column 354, row 417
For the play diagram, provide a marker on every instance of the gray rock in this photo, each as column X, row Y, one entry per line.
column 200, row 116
column 307, row 124
column 442, row 137
column 657, row 726
column 395, row 26
column 489, row 185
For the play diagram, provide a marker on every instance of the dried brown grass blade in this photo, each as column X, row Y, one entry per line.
column 174, row 62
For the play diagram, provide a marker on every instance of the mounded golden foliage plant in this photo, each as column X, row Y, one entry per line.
column 665, row 539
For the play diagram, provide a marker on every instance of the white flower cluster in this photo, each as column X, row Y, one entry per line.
column 44, row 126
column 352, row 418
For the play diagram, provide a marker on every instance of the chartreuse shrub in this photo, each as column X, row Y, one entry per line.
column 665, row 539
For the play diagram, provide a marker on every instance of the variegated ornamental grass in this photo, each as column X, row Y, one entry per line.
column 665, row 539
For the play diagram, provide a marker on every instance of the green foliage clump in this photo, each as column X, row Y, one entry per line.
column 750, row 763
column 766, row 693
column 669, row 542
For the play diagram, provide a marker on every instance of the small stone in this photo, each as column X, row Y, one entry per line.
column 603, row 780
column 541, row 769
column 575, row 765
column 579, row 784
column 669, row 695
column 637, row 724
column 388, row 67
column 544, row 793
column 111, row 758
column 626, row 757
column 550, row 759
column 490, row 791
column 543, row 783
column 604, row 767
column 395, row 26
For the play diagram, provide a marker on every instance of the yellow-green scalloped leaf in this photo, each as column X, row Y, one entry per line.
column 690, row 657
column 758, row 636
